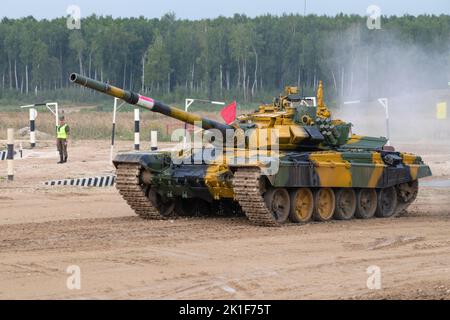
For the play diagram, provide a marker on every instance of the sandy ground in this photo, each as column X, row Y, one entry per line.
column 44, row 230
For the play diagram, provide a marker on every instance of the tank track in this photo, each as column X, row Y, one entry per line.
column 246, row 186
column 129, row 186
column 247, row 190
column 402, row 207
column 406, row 200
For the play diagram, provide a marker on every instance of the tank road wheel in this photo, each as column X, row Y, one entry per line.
column 324, row 204
column 366, row 203
column 278, row 203
column 345, row 204
column 166, row 209
column 302, row 205
column 406, row 194
column 387, row 202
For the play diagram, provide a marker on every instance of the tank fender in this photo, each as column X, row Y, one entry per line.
column 152, row 161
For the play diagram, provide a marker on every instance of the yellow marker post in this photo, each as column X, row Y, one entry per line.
column 441, row 111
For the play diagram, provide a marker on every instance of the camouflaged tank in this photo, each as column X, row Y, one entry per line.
column 322, row 171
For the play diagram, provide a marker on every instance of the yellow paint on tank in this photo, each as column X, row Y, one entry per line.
column 284, row 134
column 332, row 169
column 413, row 170
column 297, row 134
column 250, row 157
column 354, row 139
column 183, row 116
column 117, row 92
column 216, row 186
column 408, row 158
column 322, row 110
column 377, row 171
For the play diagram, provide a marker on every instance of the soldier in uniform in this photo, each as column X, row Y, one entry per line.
column 62, row 134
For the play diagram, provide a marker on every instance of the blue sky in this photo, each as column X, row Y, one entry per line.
column 196, row 9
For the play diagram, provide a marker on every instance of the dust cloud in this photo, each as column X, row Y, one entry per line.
column 413, row 74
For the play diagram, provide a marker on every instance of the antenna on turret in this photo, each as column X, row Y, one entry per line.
column 322, row 110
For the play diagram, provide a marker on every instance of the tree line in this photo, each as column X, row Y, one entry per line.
column 225, row 57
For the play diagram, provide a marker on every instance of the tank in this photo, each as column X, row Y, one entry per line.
column 286, row 162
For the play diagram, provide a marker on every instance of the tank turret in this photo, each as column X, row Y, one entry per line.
column 305, row 123
column 301, row 123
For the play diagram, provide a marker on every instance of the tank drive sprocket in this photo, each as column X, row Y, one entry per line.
column 247, row 187
column 406, row 194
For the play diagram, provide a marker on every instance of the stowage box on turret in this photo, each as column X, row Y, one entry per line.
column 287, row 161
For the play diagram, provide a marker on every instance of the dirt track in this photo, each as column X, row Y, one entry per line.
column 44, row 230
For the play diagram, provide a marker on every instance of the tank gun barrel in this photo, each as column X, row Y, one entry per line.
column 147, row 103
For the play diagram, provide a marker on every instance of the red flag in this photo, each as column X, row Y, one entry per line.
column 228, row 113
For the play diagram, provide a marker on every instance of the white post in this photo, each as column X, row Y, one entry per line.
column 136, row 129
column 113, row 133
column 10, row 156
column 33, row 114
column 56, row 119
column 384, row 103
column 56, row 114
column 154, row 140
column 187, row 104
